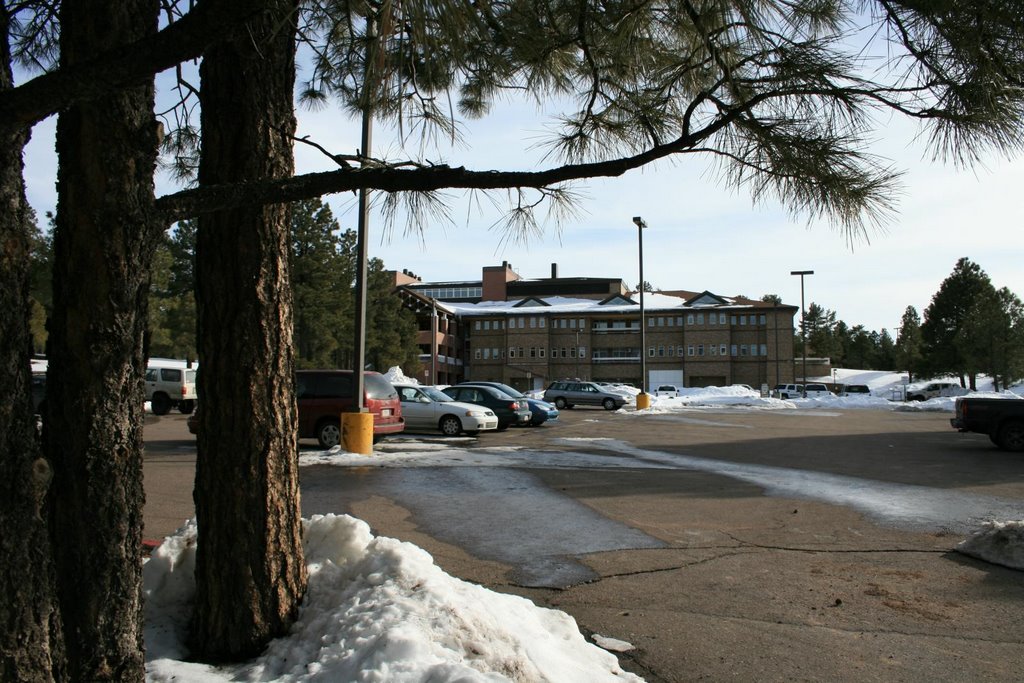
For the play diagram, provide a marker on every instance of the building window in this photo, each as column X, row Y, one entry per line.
column 732, row 319
column 572, row 352
column 689, row 318
column 476, row 324
column 541, row 351
column 476, row 354
column 700, row 349
column 511, row 352
column 487, row 354
column 572, row 323
column 721, row 350
column 743, row 320
column 689, row 350
column 743, row 349
column 761, row 319
column 583, row 352
column 700, row 318
column 713, row 349
column 721, row 320
column 661, row 351
column 650, row 322
column 650, row 352
column 564, row 354
column 661, row 321
column 533, row 352
column 671, row 351
column 764, row 349
column 554, row 352
column 733, row 349
column 543, row 322
column 522, row 323
column 583, row 323
column 679, row 350
column 679, row 321
column 562, row 323
column 533, row 322
column 519, row 352
column 712, row 318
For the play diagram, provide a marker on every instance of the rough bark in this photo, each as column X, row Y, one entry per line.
column 31, row 646
column 104, row 243
column 250, row 573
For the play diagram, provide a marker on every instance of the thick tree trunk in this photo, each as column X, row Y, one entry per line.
column 31, row 646
column 104, row 243
column 250, row 573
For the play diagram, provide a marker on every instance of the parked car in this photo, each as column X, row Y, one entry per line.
column 566, row 394
column 785, row 391
column 430, row 408
column 855, row 390
column 170, row 384
column 815, row 390
column 667, row 390
column 324, row 394
column 1001, row 418
column 932, row 390
column 510, row 411
column 540, row 410
column 812, row 389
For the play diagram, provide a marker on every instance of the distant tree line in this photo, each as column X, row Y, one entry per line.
column 323, row 267
column 969, row 328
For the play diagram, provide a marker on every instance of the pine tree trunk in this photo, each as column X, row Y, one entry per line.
column 31, row 644
column 104, row 243
column 250, row 573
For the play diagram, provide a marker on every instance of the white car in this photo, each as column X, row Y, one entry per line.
column 667, row 390
column 431, row 409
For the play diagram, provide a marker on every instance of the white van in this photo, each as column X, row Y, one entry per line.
column 170, row 384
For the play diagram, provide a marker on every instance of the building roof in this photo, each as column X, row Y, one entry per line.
column 653, row 302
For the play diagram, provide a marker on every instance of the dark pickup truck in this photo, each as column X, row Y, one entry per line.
column 1002, row 419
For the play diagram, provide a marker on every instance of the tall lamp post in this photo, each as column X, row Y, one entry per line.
column 803, row 326
column 642, row 401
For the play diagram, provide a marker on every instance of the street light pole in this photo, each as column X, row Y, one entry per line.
column 803, row 326
column 640, row 225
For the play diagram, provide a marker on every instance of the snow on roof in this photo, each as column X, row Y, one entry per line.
column 560, row 305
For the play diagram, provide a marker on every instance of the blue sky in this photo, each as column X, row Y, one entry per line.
column 700, row 236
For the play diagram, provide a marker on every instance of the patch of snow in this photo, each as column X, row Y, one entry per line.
column 612, row 644
column 376, row 609
column 1000, row 543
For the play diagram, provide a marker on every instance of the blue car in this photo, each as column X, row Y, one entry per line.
column 541, row 411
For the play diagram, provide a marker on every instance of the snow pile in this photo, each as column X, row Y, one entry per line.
column 713, row 396
column 377, row 609
column 396, row 376
column 997, row 542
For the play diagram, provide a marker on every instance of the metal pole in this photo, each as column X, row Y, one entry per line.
column 359, row 338
column 803, row 326
column 640, row 225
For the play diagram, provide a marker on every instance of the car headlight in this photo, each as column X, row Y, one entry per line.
column 477, row 413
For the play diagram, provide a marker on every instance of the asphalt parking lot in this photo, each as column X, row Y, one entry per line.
column 806, row 545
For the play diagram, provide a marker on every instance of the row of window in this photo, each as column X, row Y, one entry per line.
column 530, row 352
column 534, row 322
column 698, row 350
column 452, row 292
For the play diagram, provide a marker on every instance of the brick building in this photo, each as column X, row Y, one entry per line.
column 527, row 333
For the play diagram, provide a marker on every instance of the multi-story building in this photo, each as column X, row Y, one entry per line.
column 527, row 333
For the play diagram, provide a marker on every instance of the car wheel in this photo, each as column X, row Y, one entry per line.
column 186, row 407
column 609, row 404
column 328, row 433
column 1011, row 436
column 161, row 404
column 561, row 404
column 450, row 425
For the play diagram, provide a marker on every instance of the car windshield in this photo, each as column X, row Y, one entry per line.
column 436, row 394
column 514, row 393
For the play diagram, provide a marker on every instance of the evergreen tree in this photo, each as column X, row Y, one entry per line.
column 1008, row 352
column 886, row 359
column 323, row 273
column 909, row 343
column 950, row 334
column 390, row 327
column 819, row 325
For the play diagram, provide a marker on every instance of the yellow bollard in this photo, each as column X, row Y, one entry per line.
column 643, row 401
column 357, row 433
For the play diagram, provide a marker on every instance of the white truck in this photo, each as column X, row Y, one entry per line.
column 170, row 384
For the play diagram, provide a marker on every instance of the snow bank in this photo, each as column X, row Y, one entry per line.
column 377, row 609
column 396, row 376
column 997, row 542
